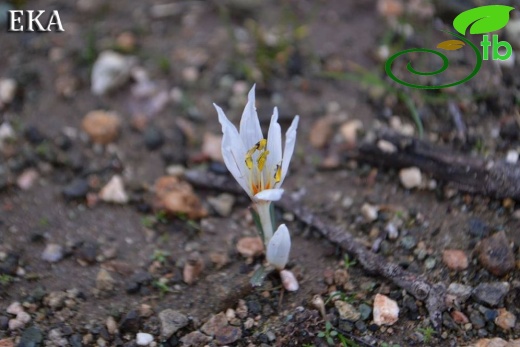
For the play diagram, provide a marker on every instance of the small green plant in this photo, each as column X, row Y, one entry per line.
column 384, row 344
column 160, row 256
column 5, row 279
column 328, row 334
column 342, row 296
column 162, row 286
column 427, row 332
column 348, row 262
column 44, row 222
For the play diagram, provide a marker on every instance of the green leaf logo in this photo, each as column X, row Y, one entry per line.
column 483, row 19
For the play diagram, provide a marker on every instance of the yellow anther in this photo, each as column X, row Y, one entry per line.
column 260, row 145
column 249, row 161
column 261, row 160
column 278, row 173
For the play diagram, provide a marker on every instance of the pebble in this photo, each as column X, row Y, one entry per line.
column 110, row 71
column 114, row 191
column 478, row 228
column 350, row 129
column 214, row 324
column 491, row 293
column 512, row 157
column 211, row 147
column 111, row 325
column 495, row 254
column 219, row 259
column 365, row 311
column 410, row 177
column 6, row 132
column 192, row 268
column 77, row 189
column 176, row 196
column 289, row 281
column 455, row 259
column 460, row 291
column 477, row 320
column 104, row 281
column 250, row 247
column 153, row 138
column 505, row 320
column 101, row 126
column 321, row 132
column 7, row 90
column 347, row 311
column 130, row 322
column 15, row 308
column 385, row 310
column 52, row 253
column 369, row 212
column 195, row 339
column 27, row 179
column 143, row 339
column 171, row 322
column 31, row 337
column 459, row 317
column 222, row 204
column 408, row 242
column 392, row 231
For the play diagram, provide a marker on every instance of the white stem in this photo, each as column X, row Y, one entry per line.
column 264, row 212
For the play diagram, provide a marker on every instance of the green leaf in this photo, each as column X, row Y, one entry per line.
column 482, row 19
column 321, row 334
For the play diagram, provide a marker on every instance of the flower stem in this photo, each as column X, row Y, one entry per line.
column 264, row 213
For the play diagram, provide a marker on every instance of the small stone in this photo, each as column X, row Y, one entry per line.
column 87, row 252
column 505, row 320
column 110, row 71
column 459, row 317
column 495, row 254
column 7, row 342
column 491, row 293
column 212, row 146
column 455, row 259
column 321, row 132
column 55, row 300
column 52, row 253
column 111, row 325
column 410, row 177
column 386, row 146
column 104, row 281
column 341, row 277
column 477, row 320
column 512, row 157
column 31, row 337
column 114, row 191
column 15, row 324
column 77, row 189
column 289, row 281
column 130, row 322
column 385, row 311
column 219, row 259
column 250, row 247
column 171, row 322
column 153, row 138
column 6, row 132
column 176, row 196
column 195, row 339
column 27, row 179
column 223, row 204
column 228, row 335
column 143, row 339
column 214, row 324
column 478, row 228
column 347, row 311
column 369, row 212
column 101, row 126
column 460, row 291
column 15, row 308
column 350, row 129
column 7, row 90
column 390, row 8
column 193, row 268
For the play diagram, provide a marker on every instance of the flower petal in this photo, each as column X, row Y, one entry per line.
column 250, row 130
column 290, row 142
column 269, row 195
column 279, row 247
column 274, row 146
column 233, row 150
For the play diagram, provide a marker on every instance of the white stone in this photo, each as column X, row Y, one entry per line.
column 386, row 146
column 144, row 339
column 410, row 177
column 23, row 317
column 114, row 191
column 6, row 132
column 7, row 90
column 110, row 71
column 15, row 308
column 350, row 129
column 512, row 156
column 369, row 212
column 289, row 281
column 385, row 311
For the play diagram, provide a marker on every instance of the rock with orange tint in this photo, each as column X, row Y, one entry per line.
column 101, row 126
column 212, row 146
column 177, row 197
column 192, row 268
column 321, row 132
column 250, row 246
column 455, row 259
column 386, row 311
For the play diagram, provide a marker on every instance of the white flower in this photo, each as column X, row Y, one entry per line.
column 279, row 247
column 257, row 163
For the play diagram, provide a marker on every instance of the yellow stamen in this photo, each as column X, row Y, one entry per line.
column 261, row 160
column 278, row 173
column 260, row 146
column 249, row 162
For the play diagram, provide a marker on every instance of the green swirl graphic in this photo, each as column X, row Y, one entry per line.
column 445, row 64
